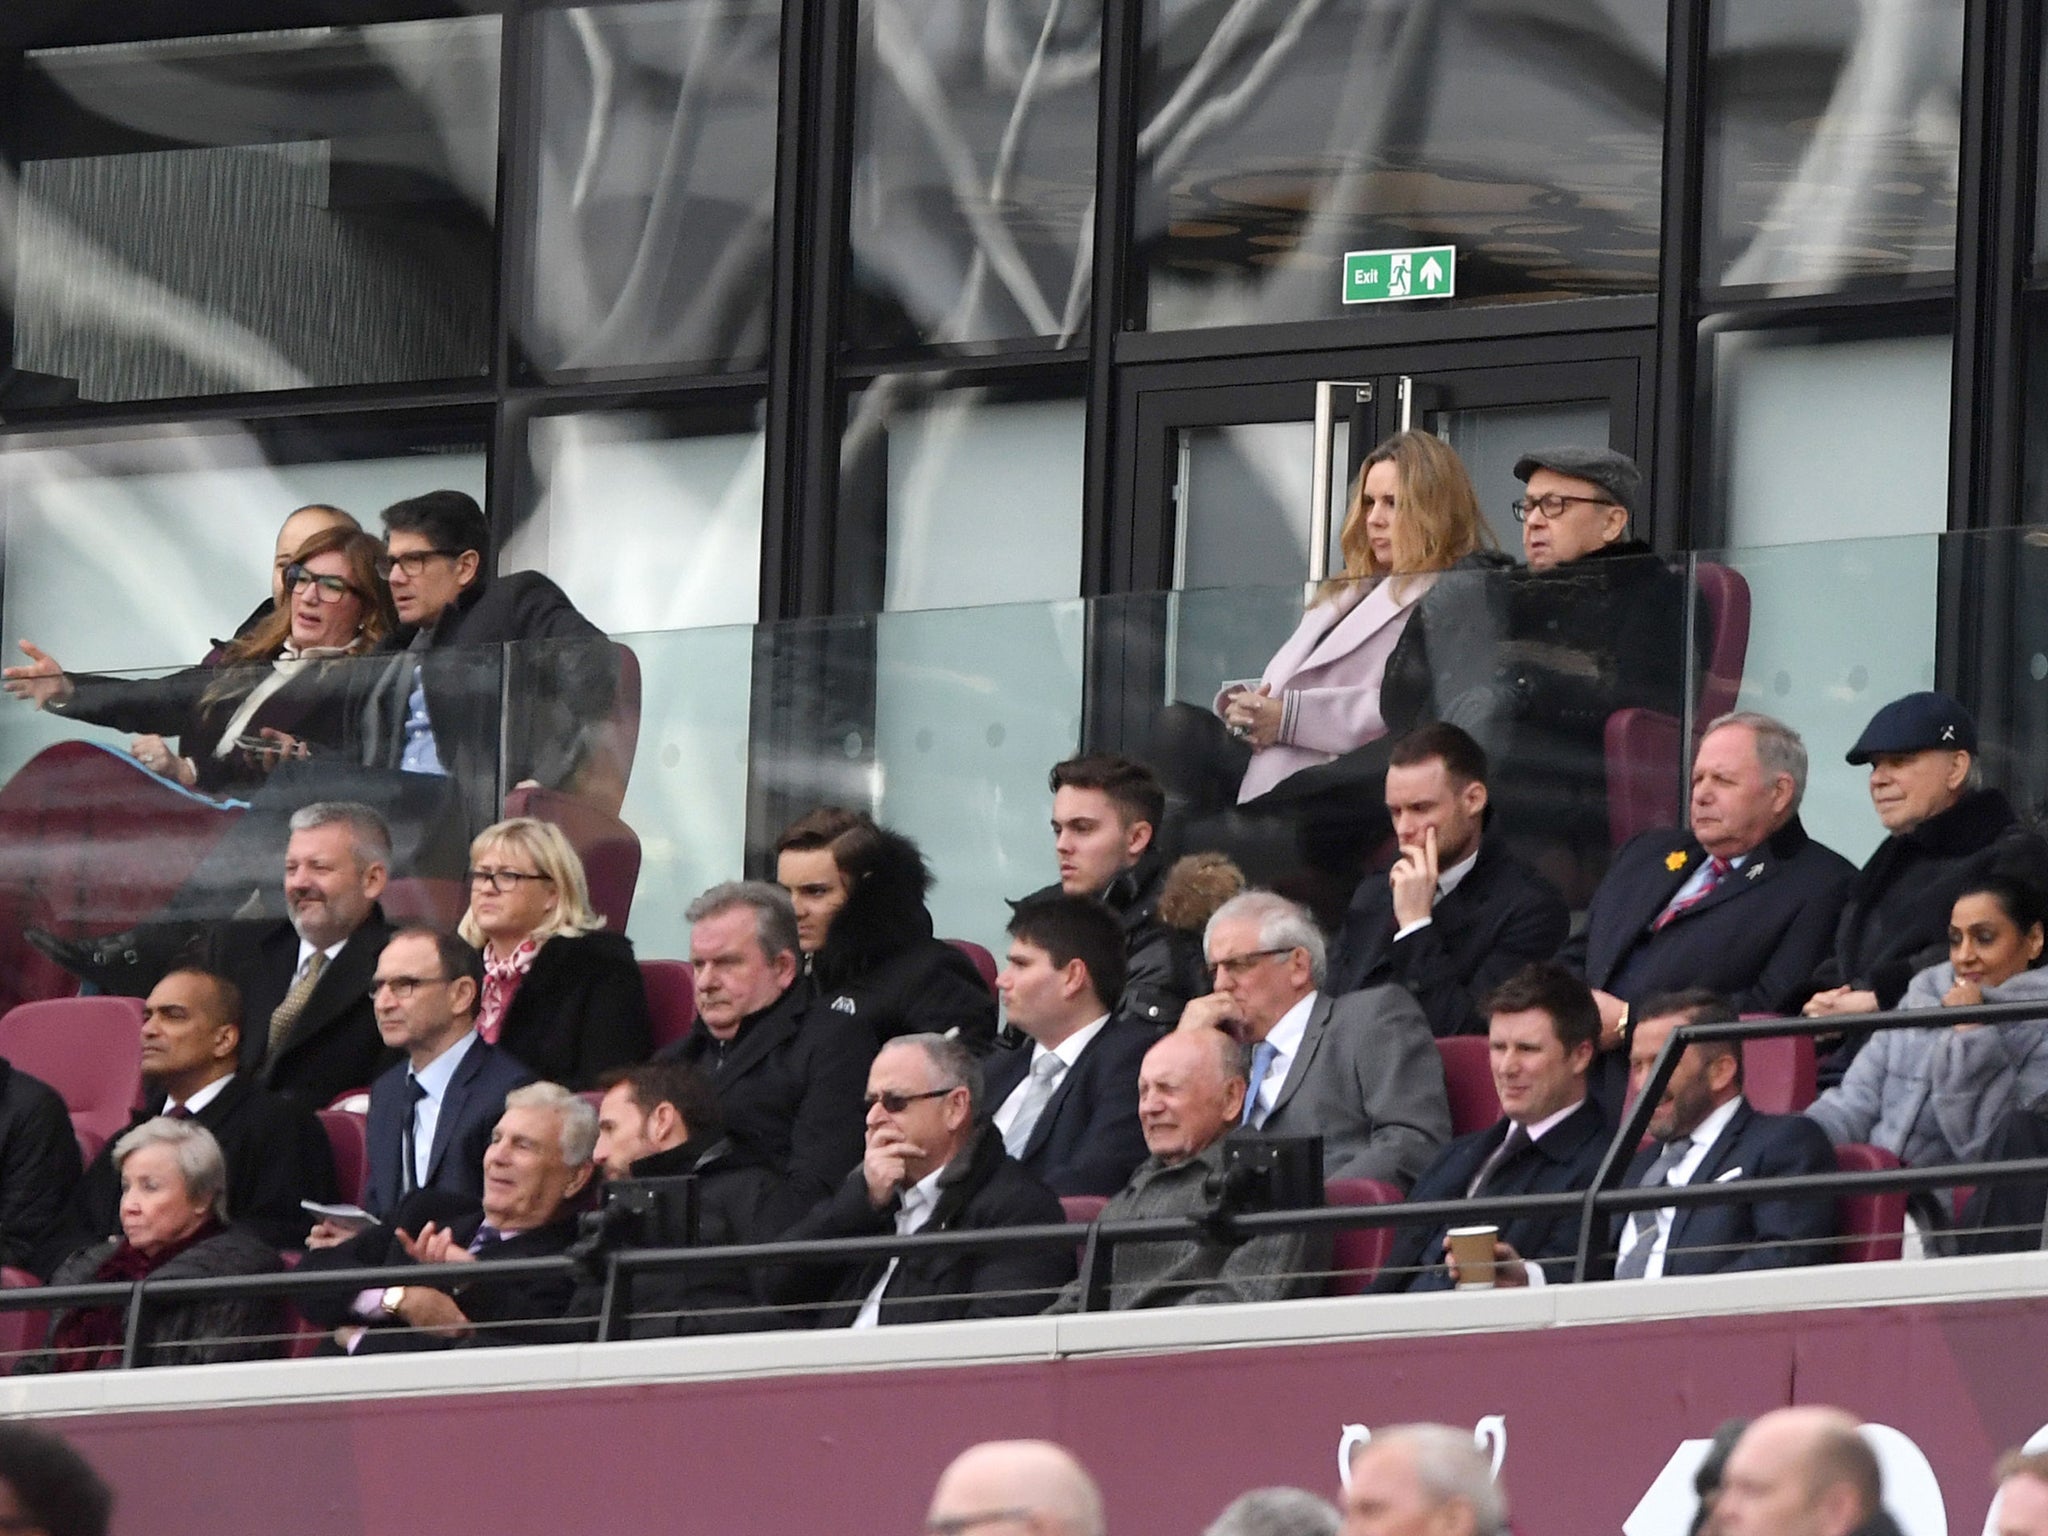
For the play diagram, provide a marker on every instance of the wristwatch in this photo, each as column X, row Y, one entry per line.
column 391, row 1301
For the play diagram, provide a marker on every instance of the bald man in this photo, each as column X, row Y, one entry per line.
column 1026, row 1482
column 1802, row 1472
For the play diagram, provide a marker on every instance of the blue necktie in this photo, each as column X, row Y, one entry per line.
column 1262, row 1063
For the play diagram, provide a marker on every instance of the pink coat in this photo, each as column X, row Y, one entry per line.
column 1327, row 677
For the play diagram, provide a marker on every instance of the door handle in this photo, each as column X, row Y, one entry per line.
column 1353, row 392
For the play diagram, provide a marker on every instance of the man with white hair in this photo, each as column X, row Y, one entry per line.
column 1276, row 1512
column 1029, row 1485
column 1422, row 1480
column 1360, row 1071
column 1802, row 1472
column 538, row 1163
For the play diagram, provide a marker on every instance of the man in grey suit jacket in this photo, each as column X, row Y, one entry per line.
column 1360, row 1071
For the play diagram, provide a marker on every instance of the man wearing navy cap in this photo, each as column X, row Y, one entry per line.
column 1946, row 829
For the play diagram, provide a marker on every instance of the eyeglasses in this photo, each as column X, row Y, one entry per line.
column 896, row 1103
column 956, row 1525
column 504, row 881
column 1239, row 965
column 328, row 589
column 1552, row 506
column 403, row 987
column 415, row 562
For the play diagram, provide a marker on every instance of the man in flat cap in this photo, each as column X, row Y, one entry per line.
column 1947, row 829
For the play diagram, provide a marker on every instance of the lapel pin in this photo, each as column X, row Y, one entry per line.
column 1675, row 861
column 1753, row 872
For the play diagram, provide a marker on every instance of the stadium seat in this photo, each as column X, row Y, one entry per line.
column 1872, row 1227
column 416, row 899
column 21, row 1333
column 87, row 1048
column 984, row 962
column 1357, row 1253
column 600, row 782
column 1645, row 750
column 609, row 849
column 1468, row 1080
column 348, row 1138
column 671, row 999
column 1778, row 1074
column 1080, row 1209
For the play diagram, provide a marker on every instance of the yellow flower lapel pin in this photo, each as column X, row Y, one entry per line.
column 1675, row 861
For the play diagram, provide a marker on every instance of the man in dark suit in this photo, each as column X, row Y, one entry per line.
column 1704, row 1132
column 1457, row 914
column 789, row 1085
column 538, row 1163
column 276, row 1153
column 305, row 981
column 931, row 1165
column 1743, row 904
column 1542, row 1025
column 432, row 1114
column 1360, row 1071
column 441, row 707
column 1066, row 1101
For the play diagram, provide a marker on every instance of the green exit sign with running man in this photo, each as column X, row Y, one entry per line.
column 1381, row 277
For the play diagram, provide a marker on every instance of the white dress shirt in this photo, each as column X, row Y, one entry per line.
column 912, row 1212
column 1068, row 1051
column 1447, row 881
column 202, row 1098
column 1285, row 1038
column 435, row 1077
column 1680, row 1173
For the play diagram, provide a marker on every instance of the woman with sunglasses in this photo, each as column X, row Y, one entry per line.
column 560, row 993
column 270, row 698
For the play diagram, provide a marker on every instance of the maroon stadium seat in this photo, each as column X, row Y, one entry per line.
column 1778, row 1073
column 609, row 849
column 1082, row 1209
column 1468, row 1080
column 1357, row 1254
column 348, row 1138
column 671, row 999
column 87, row 1048
column 984, row 962
column 1872, row 1226
column 21, row 1333
column 416, row 899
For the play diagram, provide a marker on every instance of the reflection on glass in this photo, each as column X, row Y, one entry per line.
column 655, row 185
column 1814, row 434
column 1832, row 134
column 973, row 171
column 1491, row 439
column 968, row 495
column 1277, row 137
column 265, row 211
column 686, row 503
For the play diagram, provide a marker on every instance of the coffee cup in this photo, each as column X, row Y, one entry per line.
column 1473, row 1249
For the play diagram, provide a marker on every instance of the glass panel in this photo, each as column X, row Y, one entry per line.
column 1276, row 138
column 1814, row 435
column 265, row 211
column 1832, row 136
column 973, row 171
column 686, row 503
column 1492, row 439
column 655, row 186
column 977, row 493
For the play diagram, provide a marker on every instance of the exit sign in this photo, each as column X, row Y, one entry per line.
column 1420, row 272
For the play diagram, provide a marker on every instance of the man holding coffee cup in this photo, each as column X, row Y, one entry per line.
column 1542, row 1029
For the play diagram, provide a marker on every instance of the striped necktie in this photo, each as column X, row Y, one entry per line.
column 1717, row 871
column 286, row 1013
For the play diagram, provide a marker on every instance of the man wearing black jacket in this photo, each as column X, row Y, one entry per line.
column 930, row 1166
column 1457, row 914
column 660, row 1120
column 39, row 1166
column 276, row 1153
column 1946, row 831
column 305, row 982
column 866, row 933
column 538, row 1163
column 788, row 1076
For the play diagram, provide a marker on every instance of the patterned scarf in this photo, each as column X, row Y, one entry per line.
column 501, row 985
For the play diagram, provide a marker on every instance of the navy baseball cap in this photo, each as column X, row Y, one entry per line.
column 1920, row 722
column 1615, row 473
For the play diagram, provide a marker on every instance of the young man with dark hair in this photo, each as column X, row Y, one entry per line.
column 1106, row 812
column 1542, row 1030
column 1066, row 1101
column 46, row 1487
column 1456, row 913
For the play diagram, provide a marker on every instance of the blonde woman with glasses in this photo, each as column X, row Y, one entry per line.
column 561, row 993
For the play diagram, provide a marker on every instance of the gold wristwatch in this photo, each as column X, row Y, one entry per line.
column 390, row 1302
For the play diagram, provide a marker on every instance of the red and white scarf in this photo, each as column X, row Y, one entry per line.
column 501, row 985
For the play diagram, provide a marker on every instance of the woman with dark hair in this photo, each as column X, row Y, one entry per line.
column 1940, row 1094
column 173, row 1227
column 270, row 698
column 866, row 933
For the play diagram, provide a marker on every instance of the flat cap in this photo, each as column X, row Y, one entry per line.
column 1920, row 722
column 1615, row 473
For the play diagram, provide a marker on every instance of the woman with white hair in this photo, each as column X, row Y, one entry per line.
column 561, row 994
column 174, row 1185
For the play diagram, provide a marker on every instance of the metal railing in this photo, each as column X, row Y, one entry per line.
column 1595, row 1207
